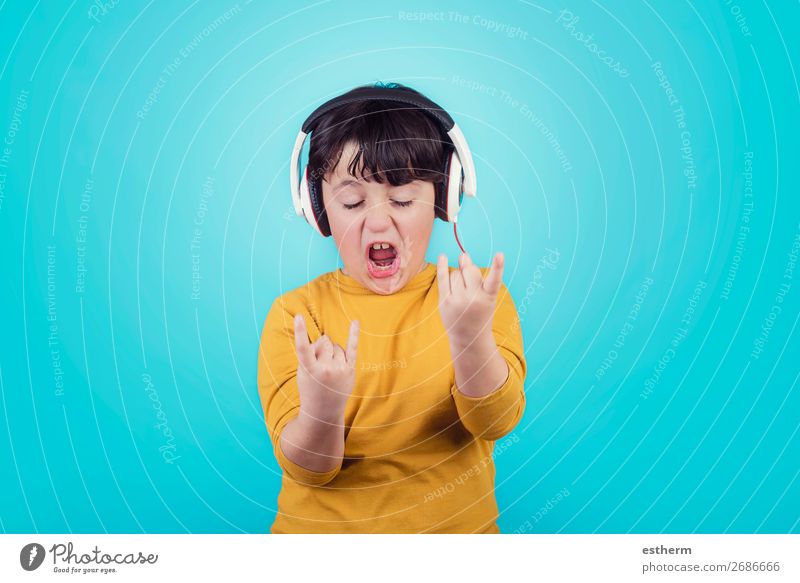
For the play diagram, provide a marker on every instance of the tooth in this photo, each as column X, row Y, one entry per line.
column 384, row 245
column 376, row 245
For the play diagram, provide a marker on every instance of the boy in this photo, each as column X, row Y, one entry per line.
column 386, row 383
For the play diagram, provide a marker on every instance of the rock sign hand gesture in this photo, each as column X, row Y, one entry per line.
column 466, row 299
column 325, row 372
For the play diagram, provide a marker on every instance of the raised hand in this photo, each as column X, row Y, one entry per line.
column 325, row 372
column 466, row 299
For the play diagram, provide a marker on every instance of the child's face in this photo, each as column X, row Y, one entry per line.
column 381, row 215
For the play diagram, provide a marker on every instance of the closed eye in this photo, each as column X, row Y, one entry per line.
column 400, row 203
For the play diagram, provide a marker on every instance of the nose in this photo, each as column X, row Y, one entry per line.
column 378, row 216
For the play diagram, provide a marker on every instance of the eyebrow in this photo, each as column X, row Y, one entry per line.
column 343, row 183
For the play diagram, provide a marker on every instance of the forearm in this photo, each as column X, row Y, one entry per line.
column 313, row 443
column 480, row 369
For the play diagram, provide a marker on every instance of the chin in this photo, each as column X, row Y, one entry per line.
column 385, row 282
column 386, row 285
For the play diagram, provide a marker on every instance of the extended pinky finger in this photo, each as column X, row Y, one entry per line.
column 495, row 277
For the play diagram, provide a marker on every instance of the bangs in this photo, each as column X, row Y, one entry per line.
column 394, row 143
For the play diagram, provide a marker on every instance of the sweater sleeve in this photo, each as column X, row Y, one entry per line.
column 494, row 415
column 277, row 385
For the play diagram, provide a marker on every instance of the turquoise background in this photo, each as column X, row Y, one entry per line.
column 650, row 407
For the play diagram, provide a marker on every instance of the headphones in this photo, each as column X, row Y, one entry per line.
column 459, row 170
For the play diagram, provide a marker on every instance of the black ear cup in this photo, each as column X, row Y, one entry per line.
column 318, row 206
column 441, row 191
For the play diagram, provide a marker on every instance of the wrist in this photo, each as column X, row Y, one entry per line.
column 328, row 418
column 482, row 342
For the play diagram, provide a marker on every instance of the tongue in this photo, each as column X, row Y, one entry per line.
column 381, row 254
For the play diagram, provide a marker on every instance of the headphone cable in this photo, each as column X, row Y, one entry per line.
column 455, row 232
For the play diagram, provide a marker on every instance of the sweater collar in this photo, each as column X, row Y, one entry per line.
column 422, row 280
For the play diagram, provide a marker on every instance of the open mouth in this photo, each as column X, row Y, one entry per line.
column 382, row 259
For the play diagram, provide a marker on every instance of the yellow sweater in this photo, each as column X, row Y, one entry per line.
column 418, row 452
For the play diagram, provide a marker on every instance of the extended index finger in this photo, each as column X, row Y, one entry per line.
column 443, row 276
column 302, row 343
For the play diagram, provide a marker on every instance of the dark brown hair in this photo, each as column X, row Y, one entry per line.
column 395, row 142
